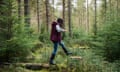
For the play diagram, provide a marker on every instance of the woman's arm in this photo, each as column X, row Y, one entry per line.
column 59, row 29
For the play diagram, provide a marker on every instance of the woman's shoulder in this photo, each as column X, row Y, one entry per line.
column 54, row 22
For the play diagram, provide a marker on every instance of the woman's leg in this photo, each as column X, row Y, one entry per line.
column 55, row 48
column 54, row 52
column 64, row 48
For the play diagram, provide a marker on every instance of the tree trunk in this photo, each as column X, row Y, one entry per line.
column 38, row 15
column 117, row 9
column 87, row 17
column 105, row 9
column 47, row 14
column 69, row 17
column 53, row 2
column 82, row 16
column 27, row 12
column 63, row 18
column 64, row 13
column 110, row 8
column 19, row 9
column 110, row 4
column 95, row 24
column 79, row 21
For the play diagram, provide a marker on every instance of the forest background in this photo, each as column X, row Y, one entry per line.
column 93, row 33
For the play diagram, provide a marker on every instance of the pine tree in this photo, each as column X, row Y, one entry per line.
column 69, row 17
column 15, row 43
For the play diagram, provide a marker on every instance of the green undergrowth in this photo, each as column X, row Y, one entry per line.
column 90, row 62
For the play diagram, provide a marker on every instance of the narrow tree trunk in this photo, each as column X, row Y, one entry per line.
column 87, row 17
column 79, row 22
column 95, row 25
column 117, row 9
column 69, row 17
column 82, row 16
column 38, row 15
column 27, row 12
column 110, row 8
column 53, row 2
column 19, row 9
column 64, row 13
column 105, row 9
column 110, row 4
column 47, row 15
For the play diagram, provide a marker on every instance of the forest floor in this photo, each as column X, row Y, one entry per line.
column 82, row 60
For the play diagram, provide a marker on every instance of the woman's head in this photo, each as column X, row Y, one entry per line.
column 60, row 20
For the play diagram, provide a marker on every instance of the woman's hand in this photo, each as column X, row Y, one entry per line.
column 64, row 30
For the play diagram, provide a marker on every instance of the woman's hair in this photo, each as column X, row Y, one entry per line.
column 60, row 20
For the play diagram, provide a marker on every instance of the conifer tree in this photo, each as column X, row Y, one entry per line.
column 15, row 43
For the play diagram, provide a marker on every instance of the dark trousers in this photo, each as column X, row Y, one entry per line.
column 56, row 48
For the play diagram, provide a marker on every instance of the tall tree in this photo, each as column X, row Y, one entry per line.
column 19, row 9
column 53, row 2
column 87, row 16
column 69, row 17
column 5, row 28
column 110, row 4
column 27, row 12
column 110, row 8
column 95, row 18
column 117, row 8
column 38, row 15
column 64, row 13
column 81, row 11
column 103, row 11
column 105, row 7
column 47, row 14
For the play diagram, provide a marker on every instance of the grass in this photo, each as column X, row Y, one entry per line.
column 90, row 62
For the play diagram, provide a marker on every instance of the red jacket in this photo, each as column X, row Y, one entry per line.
column 55, row 36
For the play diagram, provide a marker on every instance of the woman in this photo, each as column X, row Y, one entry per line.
column 57, row 39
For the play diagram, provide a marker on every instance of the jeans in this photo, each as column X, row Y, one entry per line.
column 56, row 47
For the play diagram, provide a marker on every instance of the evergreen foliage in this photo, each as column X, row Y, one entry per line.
column 107, row 41
column 15, row 41
column 111, row 38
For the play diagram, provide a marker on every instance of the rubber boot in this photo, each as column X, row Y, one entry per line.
column 66, row 52
column 51, row 59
